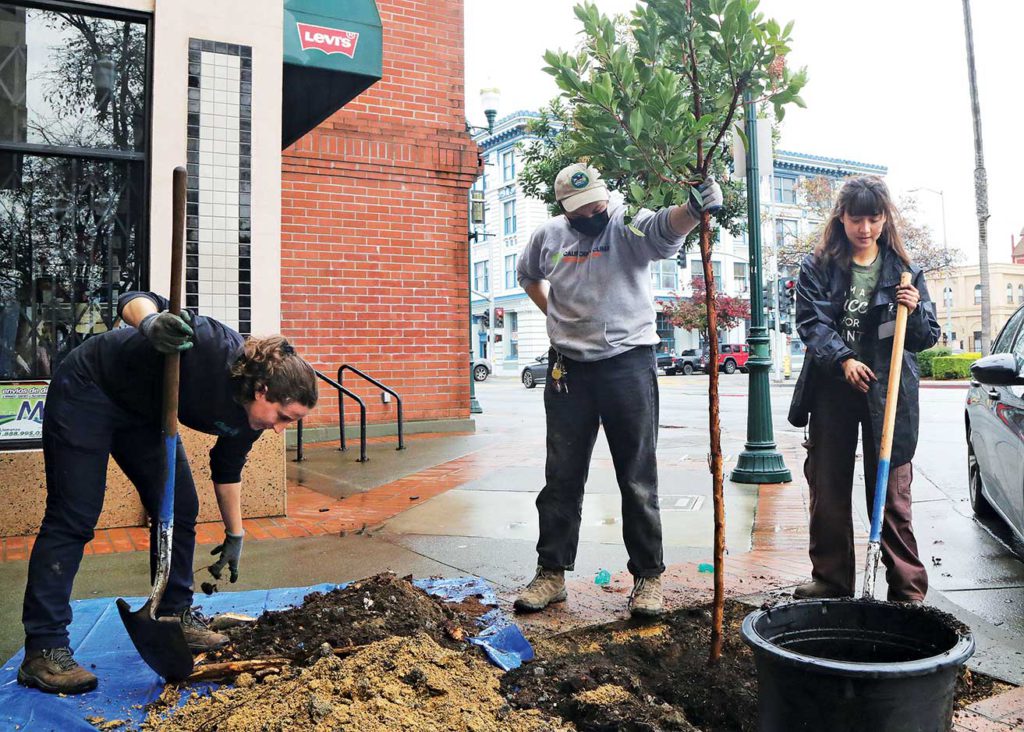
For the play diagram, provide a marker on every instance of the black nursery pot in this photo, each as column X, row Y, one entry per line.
column 845, row 665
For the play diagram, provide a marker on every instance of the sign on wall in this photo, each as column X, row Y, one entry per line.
column 21, row 412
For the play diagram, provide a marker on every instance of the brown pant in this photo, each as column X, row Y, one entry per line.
column 839, row 412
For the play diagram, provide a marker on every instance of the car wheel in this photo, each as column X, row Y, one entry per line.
column 979, row 503
column 730, row 367
column 528, row 381
column 687, row 369
column 480, row 372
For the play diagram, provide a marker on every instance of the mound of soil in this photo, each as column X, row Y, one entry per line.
column 643, row 676
column 364, row 612
column 408, row 684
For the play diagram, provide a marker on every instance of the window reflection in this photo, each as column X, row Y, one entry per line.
column 71, row 80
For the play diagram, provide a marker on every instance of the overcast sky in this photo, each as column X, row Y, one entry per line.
column 888, row 85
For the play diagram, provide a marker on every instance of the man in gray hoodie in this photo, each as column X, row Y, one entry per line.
column 590, row 274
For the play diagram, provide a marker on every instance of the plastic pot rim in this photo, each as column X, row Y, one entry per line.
column 955, row 656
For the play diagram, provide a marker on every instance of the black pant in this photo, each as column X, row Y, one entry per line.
column 81, row 428
column 622, row 394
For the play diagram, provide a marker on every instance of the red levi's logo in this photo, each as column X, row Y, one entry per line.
column 328, row 40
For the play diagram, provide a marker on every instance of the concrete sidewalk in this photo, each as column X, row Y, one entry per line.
column 463, row 504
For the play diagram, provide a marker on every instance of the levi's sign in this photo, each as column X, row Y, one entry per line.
column 328, row 40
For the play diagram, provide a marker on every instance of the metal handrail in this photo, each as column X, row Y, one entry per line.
column 382, row 387
column 342, row 392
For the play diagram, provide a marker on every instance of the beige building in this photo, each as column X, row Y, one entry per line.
column 958, row 301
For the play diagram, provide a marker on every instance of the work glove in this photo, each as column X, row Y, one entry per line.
column 167, row 332
column 710, row 198
column 230, row 552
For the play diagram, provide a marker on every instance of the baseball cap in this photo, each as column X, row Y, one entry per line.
column 577, row 185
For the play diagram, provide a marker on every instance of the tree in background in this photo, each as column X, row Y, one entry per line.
column 654, row 115
column 691, row 313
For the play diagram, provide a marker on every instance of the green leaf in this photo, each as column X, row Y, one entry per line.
column 635, row 230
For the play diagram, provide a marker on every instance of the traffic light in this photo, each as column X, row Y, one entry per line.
column 791, row 295
column 766, row 297
column 485, row 319
column 783, row 300
column 499, row 317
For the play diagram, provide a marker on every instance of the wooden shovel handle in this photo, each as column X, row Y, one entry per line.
column 895, row 371
column 171, row 362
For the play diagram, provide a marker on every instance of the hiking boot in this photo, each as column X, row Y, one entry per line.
column 645, row 599
column 818, row 590
column 55, row 671
column 547, row 586
column 197, row 633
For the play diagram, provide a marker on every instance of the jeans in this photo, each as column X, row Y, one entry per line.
column 620, row 393
column 81, row 428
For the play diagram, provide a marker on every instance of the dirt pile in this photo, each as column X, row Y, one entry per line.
column 402, row 683
column 640, row 677
column 363, row 612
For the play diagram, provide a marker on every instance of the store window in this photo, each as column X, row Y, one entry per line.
column 74, row 120
column 512, row 322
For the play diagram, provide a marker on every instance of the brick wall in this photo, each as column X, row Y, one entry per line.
column 374, row 233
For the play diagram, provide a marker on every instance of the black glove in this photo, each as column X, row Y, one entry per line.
column 710, row 197
column 168, row 333
column 230, row 551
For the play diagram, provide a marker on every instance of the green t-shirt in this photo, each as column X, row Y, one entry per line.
column 863, row 280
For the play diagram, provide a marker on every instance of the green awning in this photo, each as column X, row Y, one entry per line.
column 333, row 51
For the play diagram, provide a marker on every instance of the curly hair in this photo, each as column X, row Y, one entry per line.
column 272, row 364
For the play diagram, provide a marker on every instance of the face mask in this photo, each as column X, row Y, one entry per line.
column 592, row 225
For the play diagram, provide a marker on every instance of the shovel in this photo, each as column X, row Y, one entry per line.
column 888, row 424
column 161, row 642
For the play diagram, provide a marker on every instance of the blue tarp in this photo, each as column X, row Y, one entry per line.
column 127, row 684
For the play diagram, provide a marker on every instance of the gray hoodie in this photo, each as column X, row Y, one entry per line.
column 600, row 303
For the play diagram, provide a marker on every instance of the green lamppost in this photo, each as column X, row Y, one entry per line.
column 759, row 462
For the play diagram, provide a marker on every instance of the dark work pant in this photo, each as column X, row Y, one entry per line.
column 622, row 394
column 839, row 412
column 81, row 427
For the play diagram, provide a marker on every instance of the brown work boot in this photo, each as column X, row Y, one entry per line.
column 55, row 671
column 645, row 599
column 547, row 586
column 199, row 637
column 818, row 590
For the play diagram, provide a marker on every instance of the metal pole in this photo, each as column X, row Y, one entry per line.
column 759, row 462
column 773, row 278
column 946, row 286
column 474, row 405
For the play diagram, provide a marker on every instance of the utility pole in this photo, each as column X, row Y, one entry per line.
column 980, row 187
column 759, row 462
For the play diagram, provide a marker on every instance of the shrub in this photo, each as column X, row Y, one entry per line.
column 925, row 358
column 953, row 367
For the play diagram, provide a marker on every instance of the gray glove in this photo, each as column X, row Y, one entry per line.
column 168, row 333
column 710, row 198
column 230, row 552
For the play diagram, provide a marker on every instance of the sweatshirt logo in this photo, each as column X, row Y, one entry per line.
column 229, row 431
column 578, row 256
column 328, row 40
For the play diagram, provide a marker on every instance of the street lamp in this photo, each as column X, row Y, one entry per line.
column 945, row 247
column 489, row 99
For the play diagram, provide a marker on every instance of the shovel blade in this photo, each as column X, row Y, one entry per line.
column 161, row 643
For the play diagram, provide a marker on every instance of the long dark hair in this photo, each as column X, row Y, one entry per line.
column 273, row 364
column 864, row 195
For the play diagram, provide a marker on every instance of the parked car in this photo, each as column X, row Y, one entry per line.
column 731, row 357
column 994, row 417
column 667, row 362
column 687, row 362
column 482, row 368
column 535, row 373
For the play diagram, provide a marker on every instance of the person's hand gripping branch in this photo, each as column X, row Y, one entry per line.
column 167, row 332
column 710, row 198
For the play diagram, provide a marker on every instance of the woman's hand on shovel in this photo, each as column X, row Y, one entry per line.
column 909, row 296
column 858, row 375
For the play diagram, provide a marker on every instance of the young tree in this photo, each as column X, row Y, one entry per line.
column 691, row 313
column 654, row 115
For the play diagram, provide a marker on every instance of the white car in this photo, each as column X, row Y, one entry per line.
column 481, row 369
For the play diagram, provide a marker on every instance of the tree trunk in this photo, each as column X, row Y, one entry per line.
column 715, row 430
column 980, row 187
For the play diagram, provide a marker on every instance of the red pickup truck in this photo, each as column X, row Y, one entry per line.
column 731, row 356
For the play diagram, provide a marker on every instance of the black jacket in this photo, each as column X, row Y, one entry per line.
column 820, row 294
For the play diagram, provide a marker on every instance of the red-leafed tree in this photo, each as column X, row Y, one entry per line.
column 691, row 313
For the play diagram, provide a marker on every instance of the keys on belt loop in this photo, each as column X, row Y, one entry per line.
column 558, row 374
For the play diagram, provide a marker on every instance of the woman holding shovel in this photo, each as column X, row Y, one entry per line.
column 846, row 300
column 105, row 400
